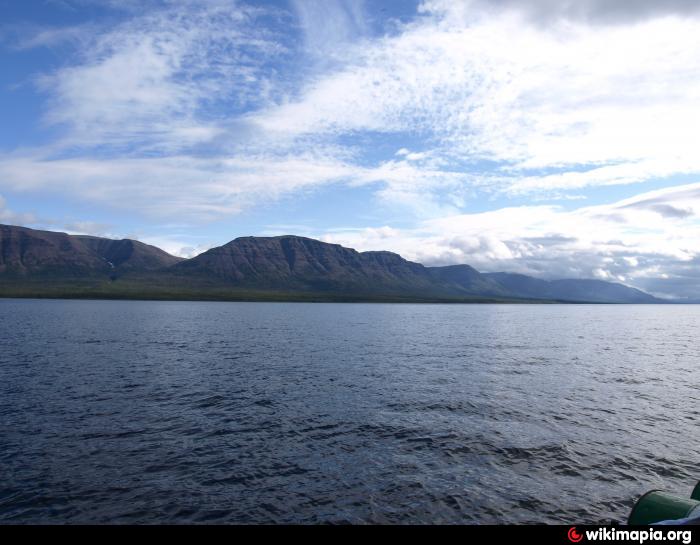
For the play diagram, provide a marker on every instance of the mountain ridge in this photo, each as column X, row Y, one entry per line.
column 30, row 252
column 286, row 267
column 583, row 289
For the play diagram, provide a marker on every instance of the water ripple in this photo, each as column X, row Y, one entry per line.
column 142, row 412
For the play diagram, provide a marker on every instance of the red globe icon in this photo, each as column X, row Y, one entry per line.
column 574, row 536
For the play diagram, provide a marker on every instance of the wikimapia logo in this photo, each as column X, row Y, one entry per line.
column 635, row 536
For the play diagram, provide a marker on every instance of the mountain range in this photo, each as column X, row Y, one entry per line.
column 36, row 263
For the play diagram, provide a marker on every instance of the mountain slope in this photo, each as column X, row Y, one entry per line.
column 127, row 254
column 29, row 252
column 583, row 290
column 469, row 280
column 597, row 291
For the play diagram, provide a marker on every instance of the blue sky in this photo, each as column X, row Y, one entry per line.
column 554, row 138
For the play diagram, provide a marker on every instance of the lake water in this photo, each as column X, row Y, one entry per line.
column 149, row 412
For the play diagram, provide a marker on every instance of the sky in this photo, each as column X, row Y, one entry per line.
column 556, row 138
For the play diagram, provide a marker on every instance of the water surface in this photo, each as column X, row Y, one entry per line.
column 176, row 412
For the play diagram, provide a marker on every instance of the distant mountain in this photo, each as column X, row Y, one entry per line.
column 590, row 291
column 469, row 280
column 30, row 253
column 47, row 264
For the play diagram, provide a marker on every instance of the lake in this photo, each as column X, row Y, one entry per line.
column 179, row 412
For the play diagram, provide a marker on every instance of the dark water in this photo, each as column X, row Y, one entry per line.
column 241, row 412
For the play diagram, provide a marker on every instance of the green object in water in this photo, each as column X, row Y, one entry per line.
column 696, row 492
column 656, row 506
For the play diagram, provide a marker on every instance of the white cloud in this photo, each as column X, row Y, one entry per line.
column 178, row 245
column 591, row 11
column 23, row 37
column 618, row 103
column 559, row 108
column 201, row 188
column 146, row 84
column 329, row 25
column 197, row 188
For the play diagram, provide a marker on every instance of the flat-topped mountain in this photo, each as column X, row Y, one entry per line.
column 306, row 264
column 37, row 263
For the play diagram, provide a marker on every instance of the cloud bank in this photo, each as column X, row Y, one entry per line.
column 648, row 241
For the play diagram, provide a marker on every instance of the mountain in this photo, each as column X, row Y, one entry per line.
column 127, row 254
column 582, row 290
column 37, row 263
column 308, row 265
column 28, row 253
column 469, row 280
